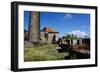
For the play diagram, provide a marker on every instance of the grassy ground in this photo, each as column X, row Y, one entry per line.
column 42, row 53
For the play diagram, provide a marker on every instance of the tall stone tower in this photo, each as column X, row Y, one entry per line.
column 34, row 28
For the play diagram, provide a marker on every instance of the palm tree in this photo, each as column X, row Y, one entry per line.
column 34, row 30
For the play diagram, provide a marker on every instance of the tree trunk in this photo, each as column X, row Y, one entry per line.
column 34, row 28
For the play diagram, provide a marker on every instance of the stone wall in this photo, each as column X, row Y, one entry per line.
column 50, row 36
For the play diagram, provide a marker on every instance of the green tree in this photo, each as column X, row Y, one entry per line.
column 69, row 36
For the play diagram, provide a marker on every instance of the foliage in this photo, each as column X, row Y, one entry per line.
column 69, row 36
column 42, row 53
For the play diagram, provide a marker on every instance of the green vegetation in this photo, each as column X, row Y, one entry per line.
column 69, row 36
column 42, row 53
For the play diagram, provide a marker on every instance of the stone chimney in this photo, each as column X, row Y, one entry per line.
column 34, row 29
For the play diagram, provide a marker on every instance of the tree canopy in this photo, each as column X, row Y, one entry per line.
column 69, row 36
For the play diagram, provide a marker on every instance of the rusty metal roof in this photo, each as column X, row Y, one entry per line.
column 49, row 30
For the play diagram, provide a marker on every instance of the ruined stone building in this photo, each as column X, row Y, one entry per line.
column 48, row 35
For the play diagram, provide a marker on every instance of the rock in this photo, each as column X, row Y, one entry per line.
column 28, row 44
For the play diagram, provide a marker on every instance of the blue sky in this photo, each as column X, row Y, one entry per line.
column 63, row 22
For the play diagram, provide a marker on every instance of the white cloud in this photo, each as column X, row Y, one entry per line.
column 67, row 16
column 79, row 33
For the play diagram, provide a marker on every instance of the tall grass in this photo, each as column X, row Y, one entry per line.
column 42, row 53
